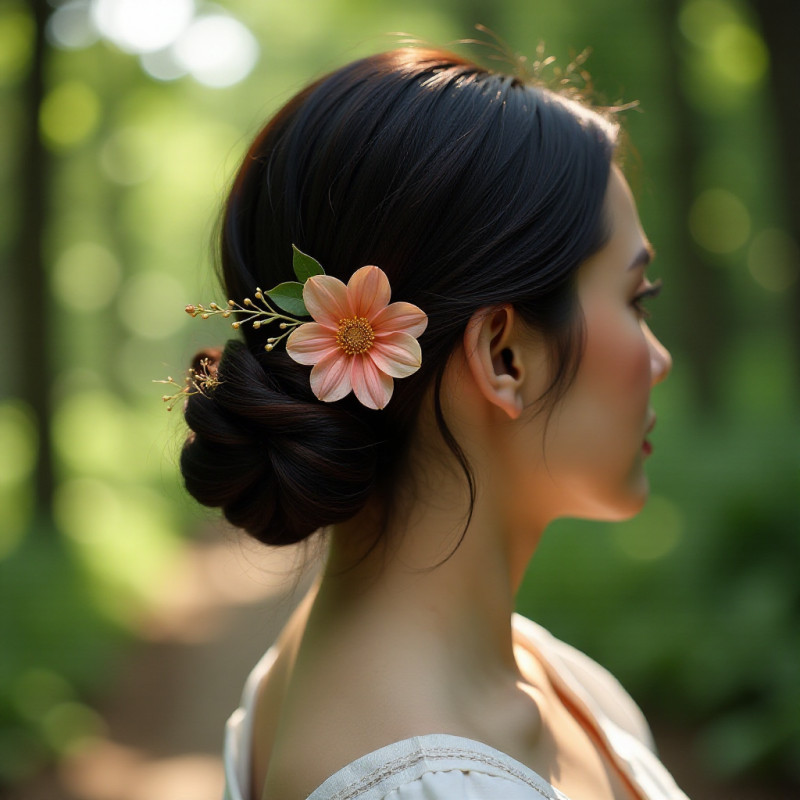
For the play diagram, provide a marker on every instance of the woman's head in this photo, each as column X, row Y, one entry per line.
column 469, row 189
column 586, row 457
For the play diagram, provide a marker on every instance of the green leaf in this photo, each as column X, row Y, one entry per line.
column 288, row 297
column 304, row 265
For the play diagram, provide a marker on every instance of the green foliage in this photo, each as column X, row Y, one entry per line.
column 305, row 266
column 700, row 622
column 289, row 297
column 57, row 649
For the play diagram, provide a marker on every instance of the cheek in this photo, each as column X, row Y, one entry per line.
column 605, row 411
column 616, row 361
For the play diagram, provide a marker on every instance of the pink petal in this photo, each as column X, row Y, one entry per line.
column 326, row 299
column 330, row 378
column 311, row 342
column 401, row 316
column 396, row 354
column 371, row 386
column 368, row 292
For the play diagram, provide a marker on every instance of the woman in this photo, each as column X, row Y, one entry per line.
column 433, row 437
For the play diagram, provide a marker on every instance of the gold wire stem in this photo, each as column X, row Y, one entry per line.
column 197, row 381
column 256, row 315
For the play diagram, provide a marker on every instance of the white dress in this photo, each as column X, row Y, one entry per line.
column 445, row 767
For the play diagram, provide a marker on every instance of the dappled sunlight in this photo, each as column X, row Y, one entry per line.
column 123, row 536
column 147, row 107
column 109, row 771
column 191, row 605
column 96, row 433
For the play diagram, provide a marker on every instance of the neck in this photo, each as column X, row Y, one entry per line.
column 448, row 589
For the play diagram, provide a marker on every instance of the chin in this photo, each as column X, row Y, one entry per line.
column 633, row 501
column 617, row 504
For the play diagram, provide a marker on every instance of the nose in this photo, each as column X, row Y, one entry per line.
column 660, row 359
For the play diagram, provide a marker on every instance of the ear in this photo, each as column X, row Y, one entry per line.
column 493, row 356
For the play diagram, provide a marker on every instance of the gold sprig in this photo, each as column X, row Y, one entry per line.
column 197, row 381
column 573, row 80
column 258, row 316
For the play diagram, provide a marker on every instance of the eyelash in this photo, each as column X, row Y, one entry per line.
column 653, row 290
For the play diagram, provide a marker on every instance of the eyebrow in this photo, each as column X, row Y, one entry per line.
column 643, row 257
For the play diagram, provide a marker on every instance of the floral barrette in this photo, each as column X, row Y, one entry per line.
column 358, row 341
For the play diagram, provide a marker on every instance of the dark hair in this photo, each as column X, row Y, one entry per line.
column 469, row 188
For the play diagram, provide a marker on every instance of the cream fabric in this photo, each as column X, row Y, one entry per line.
column 444, row 767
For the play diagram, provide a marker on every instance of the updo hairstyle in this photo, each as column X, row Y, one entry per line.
column 469, row 188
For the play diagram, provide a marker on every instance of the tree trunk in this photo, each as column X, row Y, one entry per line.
column 705, row 305
column 32, row 324
column 780, row 23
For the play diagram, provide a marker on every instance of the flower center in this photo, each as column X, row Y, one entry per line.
column 355, row 335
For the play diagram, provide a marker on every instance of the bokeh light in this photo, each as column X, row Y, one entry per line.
column 774, row 259
column 719, row 221
column 167, row 35
column 70, row 26
column 16, row 45
column 92, row 428
column 129, row 155
column 141, row 26
column 38, row 690
column 217, row 50
column 18, row 435
column 19, row 439
column 728, row 59
column 700, row 19
column 161, row 65
column 146, row 148
column 68, row 725
column 653, row 533
column 123, row 536
column 86, row 277
column 69, row 114
column 151, row 305
column 739, row 54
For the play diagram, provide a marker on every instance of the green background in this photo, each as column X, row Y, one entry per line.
column 113, row 181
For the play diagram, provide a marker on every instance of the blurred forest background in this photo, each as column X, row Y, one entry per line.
column 121, row 122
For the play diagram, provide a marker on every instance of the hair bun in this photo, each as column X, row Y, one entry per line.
column 278, row 462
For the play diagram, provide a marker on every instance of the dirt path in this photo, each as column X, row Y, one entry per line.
column 223, row 607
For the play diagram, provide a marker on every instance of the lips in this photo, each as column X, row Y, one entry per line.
column 647, row 447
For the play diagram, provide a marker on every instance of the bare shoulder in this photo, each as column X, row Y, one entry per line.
column 334, row 715
column 348, row 692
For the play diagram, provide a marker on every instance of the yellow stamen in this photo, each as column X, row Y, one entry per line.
column 355, row 335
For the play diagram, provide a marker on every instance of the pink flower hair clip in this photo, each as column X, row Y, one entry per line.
column 358, row 341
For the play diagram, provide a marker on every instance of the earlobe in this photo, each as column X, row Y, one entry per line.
column 492, row 354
